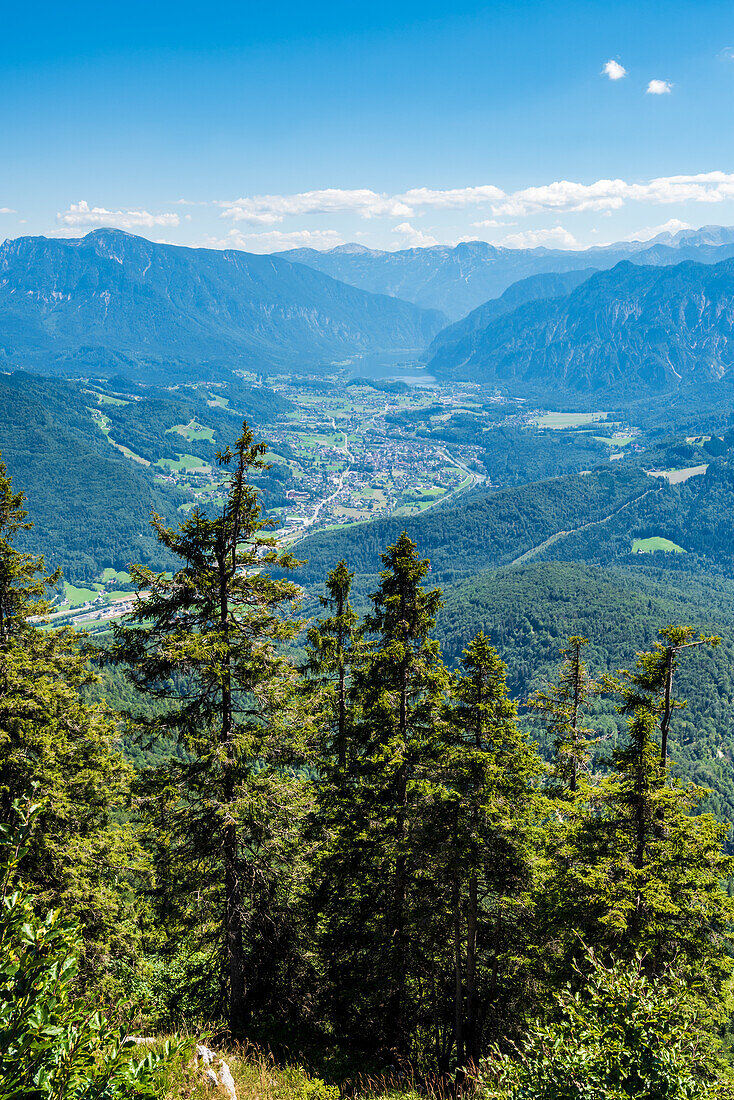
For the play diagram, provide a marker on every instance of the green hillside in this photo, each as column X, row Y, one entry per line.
column 530, row 611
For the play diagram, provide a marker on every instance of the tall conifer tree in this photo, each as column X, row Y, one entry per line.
column 561, row 708
column 490, row 800
column 209, row 640
column 377, row 853
column 333, row 648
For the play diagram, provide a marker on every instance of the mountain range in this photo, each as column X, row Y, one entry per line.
column 625, row 332
column 457, row 279
column 113, row 302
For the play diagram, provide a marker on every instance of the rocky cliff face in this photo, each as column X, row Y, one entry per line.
column 631, row 330
column 111, row 299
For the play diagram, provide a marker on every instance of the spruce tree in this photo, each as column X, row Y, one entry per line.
column 333, row 648
column 489, row 768
column 210, row 640
column 373, row 866
column 561, row 707
column 636, row 867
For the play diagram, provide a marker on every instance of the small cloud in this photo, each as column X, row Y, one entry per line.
column 535, row 238
column 659, row 87
column 673, row 225
column 7, row 210
column 727, row 54
column 412, row 237
column 490, row 223
column 81, row 215
column 614, row 70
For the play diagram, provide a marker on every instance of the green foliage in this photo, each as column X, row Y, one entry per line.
column 616, row 1033
column 57, row 747
column 490, row 805
column 483, row 530
column 54, row 1046
column 532, row 609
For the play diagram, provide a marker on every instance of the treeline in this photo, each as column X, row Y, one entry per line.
column 361, row 852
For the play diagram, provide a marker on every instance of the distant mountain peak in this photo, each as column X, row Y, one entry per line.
column 351, row 248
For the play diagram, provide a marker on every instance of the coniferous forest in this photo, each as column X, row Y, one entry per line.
column 339, row 849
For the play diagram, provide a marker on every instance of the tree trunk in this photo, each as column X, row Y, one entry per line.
column 665, row 721
column 471, row 1037
column 458, row 977
column 234, row 932
column 397, row 1008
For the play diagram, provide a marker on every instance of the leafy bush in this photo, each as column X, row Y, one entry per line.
column 620, row 1035
column 52, row 1044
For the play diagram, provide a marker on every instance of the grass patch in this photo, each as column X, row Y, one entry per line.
column 119, row 576
column 568, row 420
column 648, row 546
column 183, row 464
column 76, row 597
column 105, row 399
column 193, row 431
column 255, row 1077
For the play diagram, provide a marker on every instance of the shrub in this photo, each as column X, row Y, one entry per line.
column 619, row 1035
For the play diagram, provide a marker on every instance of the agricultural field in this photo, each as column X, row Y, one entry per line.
column 677, row 477
column 649, row 546
column 560, row 420
column 184, row 464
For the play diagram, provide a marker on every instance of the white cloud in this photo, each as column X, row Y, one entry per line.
column 277, row 240
column 533, row 238
column 490, row 223
column 272, row 209
column 673, row 225
column 454, row 199
column 605, row 195
column 659, row 87
column 614, row 70
column 412, row 237
column 7, row 210
column 81, row 216
column 600, row 196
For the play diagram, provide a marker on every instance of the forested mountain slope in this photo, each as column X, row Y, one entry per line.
column 595, row 517
column 631, row 331
column 529, row 612
column 89, row 500
column 111, row 301
column 457, row 279
column 695, row 515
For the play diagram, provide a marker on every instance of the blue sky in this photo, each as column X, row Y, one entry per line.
column 273, row 125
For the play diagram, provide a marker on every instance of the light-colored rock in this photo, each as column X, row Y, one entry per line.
column 216, row 1071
